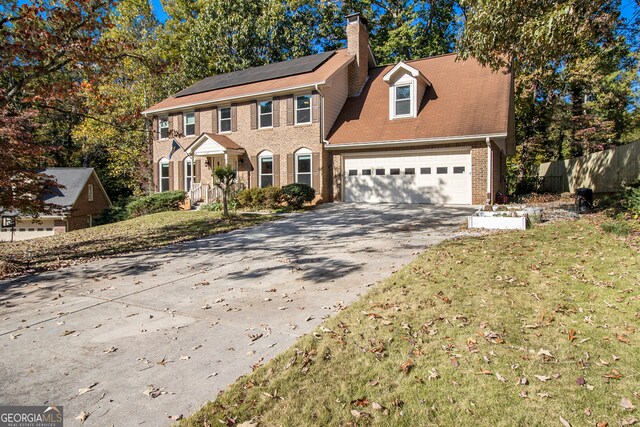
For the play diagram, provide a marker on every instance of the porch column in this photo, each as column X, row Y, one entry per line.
column 226, row 159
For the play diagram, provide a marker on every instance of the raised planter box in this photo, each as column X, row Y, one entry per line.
column 496, row 221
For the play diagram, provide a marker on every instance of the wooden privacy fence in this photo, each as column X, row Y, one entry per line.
column 603, row 172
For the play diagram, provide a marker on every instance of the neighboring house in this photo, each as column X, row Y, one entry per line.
column 80, row 200
column 433, row 130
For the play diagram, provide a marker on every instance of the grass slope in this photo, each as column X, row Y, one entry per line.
column 518, row 328
column 145, row 232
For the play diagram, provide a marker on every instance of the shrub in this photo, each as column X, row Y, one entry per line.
column 113, row 214
column 297, row 195
column 631, row 198
column 619, row 228
column 259, row 198
column 157, row 202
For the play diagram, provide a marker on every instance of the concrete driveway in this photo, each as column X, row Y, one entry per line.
column 182, row 322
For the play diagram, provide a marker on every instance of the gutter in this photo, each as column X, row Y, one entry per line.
column 402, row 142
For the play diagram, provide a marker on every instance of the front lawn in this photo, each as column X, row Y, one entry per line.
column 145, row 232
column 522, row 328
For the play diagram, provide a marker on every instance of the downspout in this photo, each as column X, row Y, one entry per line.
column 489, row 171
column 322, row 138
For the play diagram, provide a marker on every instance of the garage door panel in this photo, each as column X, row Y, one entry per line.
column 443, row 178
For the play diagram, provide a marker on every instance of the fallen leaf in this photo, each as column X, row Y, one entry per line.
column 581, row 381
column 83, row 416
column 500, row 377
column 355, row 413
column 626, row 404
column 572, row 335
column 602, row 424
column 542, row 378
column 587, row 412
column 623, row 338
column 65, row 333
column 454, row 362
column 564, row 422
column 631, row 421
column 110, row 350
column 360, row 402
column 86, row 389
column 614, row 374
column 433, row 374
column 406, row 366
column 376, row 406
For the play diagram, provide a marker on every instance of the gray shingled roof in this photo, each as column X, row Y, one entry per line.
column 276, row 70
column 72, row 179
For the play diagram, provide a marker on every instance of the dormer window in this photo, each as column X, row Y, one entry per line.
column 403, row 101
column 407, row 87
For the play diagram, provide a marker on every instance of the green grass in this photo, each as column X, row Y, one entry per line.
column 472, row 316
column 145, row 232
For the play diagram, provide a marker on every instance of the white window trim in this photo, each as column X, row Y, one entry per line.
column 405, row 80
column 265, row 154
column 160, row 127
column 220, row 119
column 303, row 152
column 184, row 123
column 295, row 109
column 188, row 161
column 163, row 161
column 90, row 192
column 260, row 114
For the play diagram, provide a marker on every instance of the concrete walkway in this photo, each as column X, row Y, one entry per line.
column 178, row 323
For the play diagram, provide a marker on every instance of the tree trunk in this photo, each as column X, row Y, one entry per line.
column 225, row 209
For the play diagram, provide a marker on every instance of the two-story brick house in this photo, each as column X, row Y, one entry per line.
column 433, row 130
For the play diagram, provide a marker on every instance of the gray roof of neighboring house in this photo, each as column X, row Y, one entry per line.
column 72, row 179
column 275, row 70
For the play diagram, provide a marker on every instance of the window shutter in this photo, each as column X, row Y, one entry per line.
column 315, row 172
column 155, row 186
column 315, row 107
column 276, row 112
column 180, row 127
column 214, row 117
column 181, row 185
column 276, row 170
column 155, row 131
column 171, row 183
column 171, row 127
column 234, row 117
column 253, row 177
column 254, row 114
column 197, row 168
column 290, row 110
column 290, row 169
column 196, row 117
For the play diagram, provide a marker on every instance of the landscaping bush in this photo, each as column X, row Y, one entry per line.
column 297, row 195
column 157, row 202
column 260, row 198
column 631, row 198
column 113, row 214
column 211, row 207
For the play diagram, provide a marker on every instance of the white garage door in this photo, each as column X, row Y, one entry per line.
column 427, row 177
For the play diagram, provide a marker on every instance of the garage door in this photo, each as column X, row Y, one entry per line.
column 429, row 177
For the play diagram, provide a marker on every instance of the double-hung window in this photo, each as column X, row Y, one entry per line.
column 224, row 115
column 265, row 112
column 163, row 167
column 402, row 105
column 303, row 166
column 189, row 124
column 265, row 169
column 303, row 109
column 163, row 127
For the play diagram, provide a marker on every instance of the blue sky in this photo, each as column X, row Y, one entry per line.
column 628, row 9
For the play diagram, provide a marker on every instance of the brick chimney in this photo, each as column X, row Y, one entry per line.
column 358, row 45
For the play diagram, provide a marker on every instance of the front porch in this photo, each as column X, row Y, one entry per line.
column 216, row 151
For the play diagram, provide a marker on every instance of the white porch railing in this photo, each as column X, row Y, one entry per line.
column 195, row 194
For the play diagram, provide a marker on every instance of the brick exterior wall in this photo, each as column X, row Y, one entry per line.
column 80, row 211
column 478, row 167
column 358, row 45
column 282, row 140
